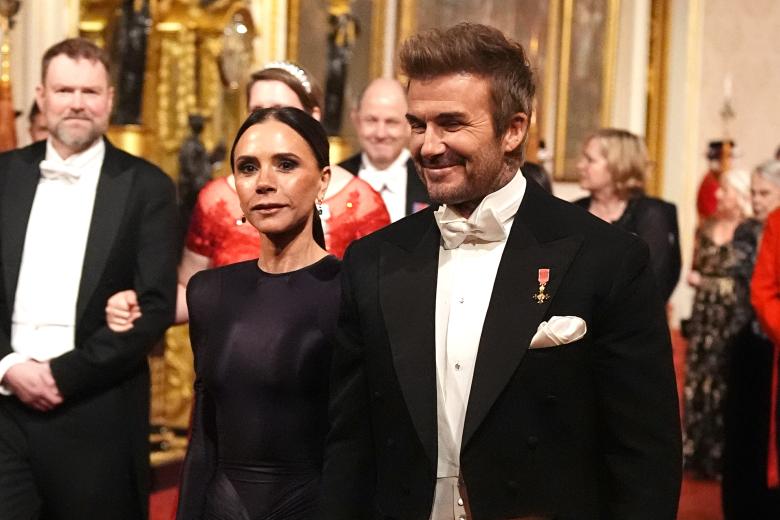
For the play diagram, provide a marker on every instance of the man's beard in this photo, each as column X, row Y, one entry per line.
column 78, row 139
column 484, row 175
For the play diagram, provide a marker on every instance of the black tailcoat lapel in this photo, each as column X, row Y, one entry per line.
column 416, row 193
column 407, row 289
column 513, row 316
column 21, row 182
column 112, row 191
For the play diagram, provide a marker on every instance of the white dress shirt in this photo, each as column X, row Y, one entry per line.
column 43, row 323
column 390, row 183
column 465, row 284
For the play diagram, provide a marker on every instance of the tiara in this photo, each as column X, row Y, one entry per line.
column 292, row 69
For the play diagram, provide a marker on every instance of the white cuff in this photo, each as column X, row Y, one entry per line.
column 14, row 358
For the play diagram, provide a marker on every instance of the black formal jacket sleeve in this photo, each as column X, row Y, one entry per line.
column 583, row 431
column 132, row 244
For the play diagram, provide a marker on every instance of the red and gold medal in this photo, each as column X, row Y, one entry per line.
column 544, row 277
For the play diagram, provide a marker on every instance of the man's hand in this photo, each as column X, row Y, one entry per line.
column 122, row 310
column 34, row 385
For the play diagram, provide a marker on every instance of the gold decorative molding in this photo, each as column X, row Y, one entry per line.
column 610, row 58
column 293, row 22
column 562, row 108
column 655, row 130
column 553, row 45
column 376, row 49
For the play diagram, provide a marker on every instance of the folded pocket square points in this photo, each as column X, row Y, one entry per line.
column 559, row 330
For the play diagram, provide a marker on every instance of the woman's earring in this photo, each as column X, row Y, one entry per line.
column 318, row 204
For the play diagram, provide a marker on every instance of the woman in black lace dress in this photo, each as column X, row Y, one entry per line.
column 711, row 328
column 261, row 333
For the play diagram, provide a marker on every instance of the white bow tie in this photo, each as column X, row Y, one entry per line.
column 58, row 171
column 485, row 227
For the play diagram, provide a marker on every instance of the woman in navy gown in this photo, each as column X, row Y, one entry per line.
column 261, row 333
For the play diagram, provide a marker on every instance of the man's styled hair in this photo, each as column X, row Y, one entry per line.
column 627, row 159
column 480, row 50
column 75, row 49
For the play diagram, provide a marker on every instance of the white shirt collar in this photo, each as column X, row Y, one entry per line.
column 503, row 203
column 78, row 160
column 392, row 178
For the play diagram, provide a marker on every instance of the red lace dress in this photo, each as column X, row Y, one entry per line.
column 216, row 230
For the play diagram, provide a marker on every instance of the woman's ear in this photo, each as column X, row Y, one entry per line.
column 324, row 182
column 316, row 113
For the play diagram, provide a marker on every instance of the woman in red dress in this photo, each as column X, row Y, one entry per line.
column 217, row 233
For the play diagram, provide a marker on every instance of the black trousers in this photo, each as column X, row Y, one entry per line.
column 65, row 464
column 746, row 416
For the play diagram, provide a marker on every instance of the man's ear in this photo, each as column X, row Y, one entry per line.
column 516, row 132
column 39, row 94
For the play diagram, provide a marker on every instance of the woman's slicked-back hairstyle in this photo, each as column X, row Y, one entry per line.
column 469, row 48
column 627, row 159
column 304, row 125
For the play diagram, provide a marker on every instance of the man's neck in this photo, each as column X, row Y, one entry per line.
column 65, row 151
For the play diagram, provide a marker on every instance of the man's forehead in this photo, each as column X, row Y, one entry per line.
column 60, row 70
column 460, row 88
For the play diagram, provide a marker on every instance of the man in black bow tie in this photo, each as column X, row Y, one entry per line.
column 505, row 354
column 79, row 221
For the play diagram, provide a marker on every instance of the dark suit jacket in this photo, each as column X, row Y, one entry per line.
column 588, row 430
column 416, row 194
column 132, row 244
column 654, row 221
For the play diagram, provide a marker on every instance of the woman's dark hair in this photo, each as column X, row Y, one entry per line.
column 305, row 126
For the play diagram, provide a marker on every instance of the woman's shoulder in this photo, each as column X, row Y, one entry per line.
column 654, row 204
column 584, row 202
column 206, row 283
column 359, row 187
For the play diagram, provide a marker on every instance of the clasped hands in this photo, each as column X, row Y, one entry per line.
column 33, row 383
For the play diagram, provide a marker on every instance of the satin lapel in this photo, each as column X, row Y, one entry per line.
column 513, row 316
column 18, row 195
column 407, row 288
column 110, row 199
column 416, row 193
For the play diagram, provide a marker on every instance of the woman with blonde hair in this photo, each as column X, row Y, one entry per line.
column 711, row 327
column 613, row 168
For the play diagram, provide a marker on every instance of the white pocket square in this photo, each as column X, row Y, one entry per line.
column 560, row 330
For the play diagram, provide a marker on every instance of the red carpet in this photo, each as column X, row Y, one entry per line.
column 700, row 499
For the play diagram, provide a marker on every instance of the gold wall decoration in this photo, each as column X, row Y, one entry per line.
column 660, row 28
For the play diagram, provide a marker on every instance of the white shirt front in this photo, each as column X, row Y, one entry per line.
column 390, row 183
column 464, row 287
column 43, row 323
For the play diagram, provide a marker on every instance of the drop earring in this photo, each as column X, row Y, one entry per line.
column 318, row 205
